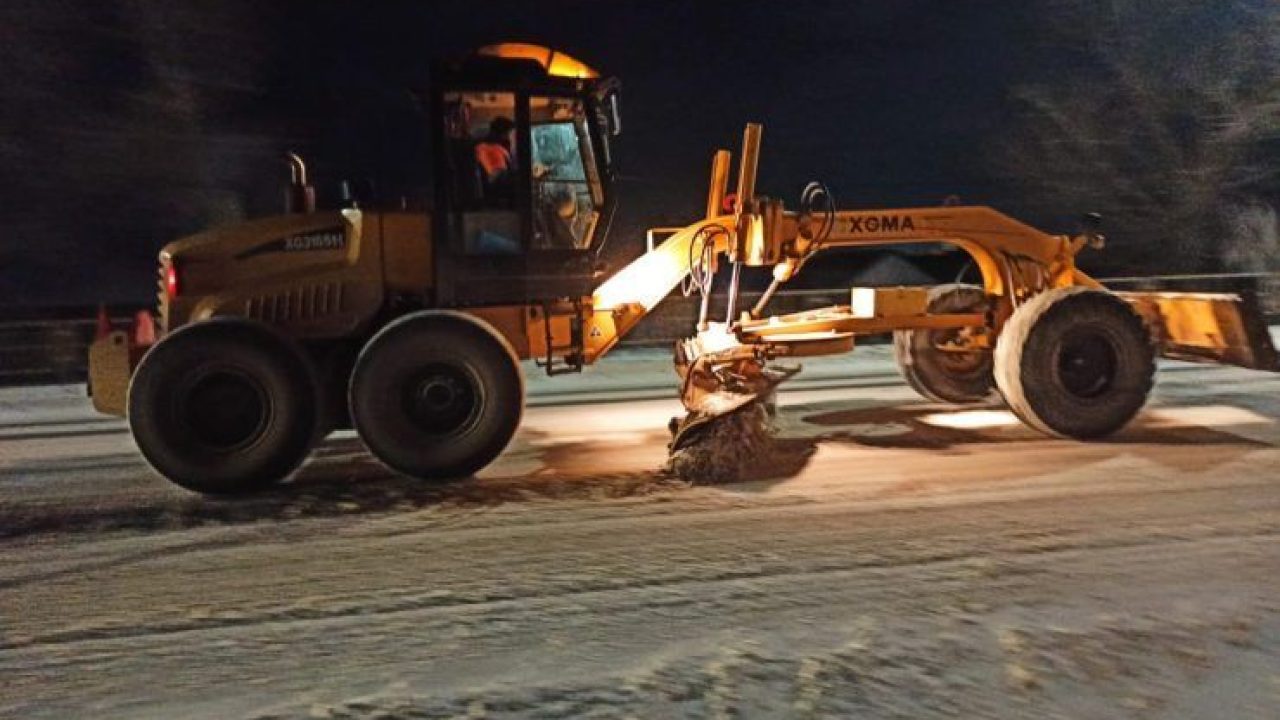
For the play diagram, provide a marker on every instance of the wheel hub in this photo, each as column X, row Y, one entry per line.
column 441, row 399
column 957, row 354
column 1087, row 363
column 224, row 409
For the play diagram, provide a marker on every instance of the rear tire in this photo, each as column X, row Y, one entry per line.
column 939, row 375
column 223, row 407
column 437, row 395
column 1075, row 362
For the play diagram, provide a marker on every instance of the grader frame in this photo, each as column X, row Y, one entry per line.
column 722, row 364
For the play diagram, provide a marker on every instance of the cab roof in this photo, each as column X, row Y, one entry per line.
column 553, row 62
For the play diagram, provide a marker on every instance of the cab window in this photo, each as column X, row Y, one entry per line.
column 480, row 131
column 566, row 189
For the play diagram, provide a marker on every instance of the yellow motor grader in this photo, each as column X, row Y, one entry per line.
column 409, row 326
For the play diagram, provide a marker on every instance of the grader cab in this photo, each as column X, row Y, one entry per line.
column 409, row 326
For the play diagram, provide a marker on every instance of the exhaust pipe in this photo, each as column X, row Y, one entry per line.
column 299, row 197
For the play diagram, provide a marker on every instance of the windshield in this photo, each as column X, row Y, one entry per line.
column 566, row 186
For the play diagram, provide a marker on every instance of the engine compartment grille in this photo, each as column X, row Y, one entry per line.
column 300, row 303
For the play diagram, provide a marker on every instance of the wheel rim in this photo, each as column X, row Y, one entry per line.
column 958, row 363
column 441, row 399
column 952, row 352
column 1087, row 362
column 224, row 409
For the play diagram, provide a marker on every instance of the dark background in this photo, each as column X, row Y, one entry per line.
column 127, row 123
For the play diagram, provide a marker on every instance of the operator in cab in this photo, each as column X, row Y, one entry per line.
column 494, row 155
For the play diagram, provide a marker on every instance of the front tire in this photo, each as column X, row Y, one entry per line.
column 944, row 375
column 437, row 395
column 1075, row 362
column 223, row 407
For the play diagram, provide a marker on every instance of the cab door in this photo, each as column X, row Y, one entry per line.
column 492, row 249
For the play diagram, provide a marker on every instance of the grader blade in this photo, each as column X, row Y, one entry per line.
column 727, row 435
column 717, row 385
column 687, row 430
column 1225, row 328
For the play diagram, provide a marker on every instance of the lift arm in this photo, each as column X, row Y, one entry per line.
column 631, row 294
column 627, row 297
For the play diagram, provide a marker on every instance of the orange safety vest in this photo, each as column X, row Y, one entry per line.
column 494, row 158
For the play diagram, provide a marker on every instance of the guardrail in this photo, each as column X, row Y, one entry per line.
column 49, row 345
column 48, row 350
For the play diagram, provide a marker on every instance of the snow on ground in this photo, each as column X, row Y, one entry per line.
column 914, row 561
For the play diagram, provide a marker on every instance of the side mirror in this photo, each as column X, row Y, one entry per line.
column 613, row 113
column 1090, row 227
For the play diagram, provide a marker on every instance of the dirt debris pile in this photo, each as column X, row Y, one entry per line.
column 734, row 447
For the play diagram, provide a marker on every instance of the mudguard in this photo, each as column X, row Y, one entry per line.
column 111, row 363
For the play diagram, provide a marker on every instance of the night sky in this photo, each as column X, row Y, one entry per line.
column 129, row 123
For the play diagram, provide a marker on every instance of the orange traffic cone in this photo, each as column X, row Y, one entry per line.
column 144, row 329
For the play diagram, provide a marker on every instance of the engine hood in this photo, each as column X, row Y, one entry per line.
column 313, row 273
column 263, row 249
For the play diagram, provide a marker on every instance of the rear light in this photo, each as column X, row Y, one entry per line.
column 171, row 285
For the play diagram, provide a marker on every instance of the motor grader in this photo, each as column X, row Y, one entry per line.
column 409, row 326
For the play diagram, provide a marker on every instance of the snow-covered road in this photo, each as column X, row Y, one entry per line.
column 911, row 560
